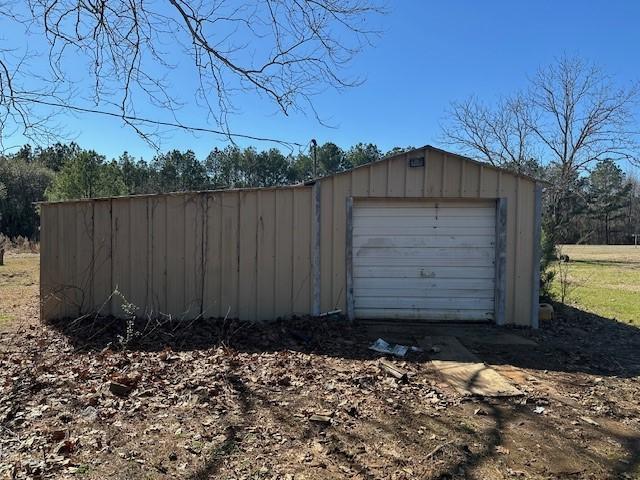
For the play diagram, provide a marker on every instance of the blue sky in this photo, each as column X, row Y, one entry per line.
column 430, row 54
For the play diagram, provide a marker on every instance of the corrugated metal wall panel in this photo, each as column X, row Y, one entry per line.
column 140, row 251
column 283, row 269
column 212, row 275
column 159, row 254
column 180, row 254
column 229, row 254
column 266, row 255
column 302, row 240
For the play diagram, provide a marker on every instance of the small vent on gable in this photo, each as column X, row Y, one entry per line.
column 416, row 162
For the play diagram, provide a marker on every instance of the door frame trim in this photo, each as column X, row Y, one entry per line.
column 349, row 259
column 500, row 287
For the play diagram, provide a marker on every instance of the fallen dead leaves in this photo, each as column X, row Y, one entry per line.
column 288, row 401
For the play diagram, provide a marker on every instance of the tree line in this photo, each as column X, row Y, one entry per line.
column 67, row 171
column 600, row 206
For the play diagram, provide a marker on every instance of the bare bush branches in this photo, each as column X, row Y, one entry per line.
column 135, row 52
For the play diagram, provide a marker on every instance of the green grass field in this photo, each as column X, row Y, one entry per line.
column 603, row 279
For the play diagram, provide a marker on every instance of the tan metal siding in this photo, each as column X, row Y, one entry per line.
column 327, row 200
column 302, row 240
column 229, row 254
column 444, row 176
column 212, row 274
column 158, row 217
column 266, row 254
column 236, row 253
column 139, row 275
column 524, row 274
column 193, row 262
column 341, row 190
column 283, row 252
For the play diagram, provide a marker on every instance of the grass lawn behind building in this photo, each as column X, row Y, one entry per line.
column 603, row 279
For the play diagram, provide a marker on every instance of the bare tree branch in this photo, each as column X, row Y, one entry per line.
column 572, row 115
column 136, row 51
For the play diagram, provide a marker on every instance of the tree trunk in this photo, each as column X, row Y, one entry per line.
column 1, row 256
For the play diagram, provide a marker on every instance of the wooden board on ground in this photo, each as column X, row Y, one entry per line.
column 464, row 371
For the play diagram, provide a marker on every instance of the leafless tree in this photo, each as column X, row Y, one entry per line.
column 286, row 51
column 501, row 136
column 572, row 115
column 581, row 116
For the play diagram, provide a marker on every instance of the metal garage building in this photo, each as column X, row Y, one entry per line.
column 424, row 235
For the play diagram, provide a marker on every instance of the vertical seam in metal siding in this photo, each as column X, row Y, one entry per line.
column 257, row 256
column 406, row 171
column 111, row 256
column 238, row 217
column 349, row 258
column 500, row 259
column 293, row 239
column 537, row 224
column 148, row 248
column 462, row 189
column 425, row 177
column 129, row 243
column 204, row 243
column 388, row 182
column 443, row 174
column 275, row 254
column 93, row 257
column 315, row 257
column 220, row 202
column 166, row 254
column 184, row 253
column 516, row 242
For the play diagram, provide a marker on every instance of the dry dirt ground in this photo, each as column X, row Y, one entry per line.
column 234, row 401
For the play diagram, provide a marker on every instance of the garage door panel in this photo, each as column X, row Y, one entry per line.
column 411, row 230
column 379, row 212
column 430, row 314
column 426, row 262
column 418, row 241
column 425, row 292
column 429, row 260
column 417, row 253
column 424, row 303
column 416, row 272
column 424, row 221
column 383, row 203
column 427, row 283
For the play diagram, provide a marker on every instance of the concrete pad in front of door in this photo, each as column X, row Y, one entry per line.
column 464, row 371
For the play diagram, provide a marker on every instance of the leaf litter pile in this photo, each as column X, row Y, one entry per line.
column 303, row 399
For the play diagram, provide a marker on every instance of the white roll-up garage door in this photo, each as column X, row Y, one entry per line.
column 431, row 260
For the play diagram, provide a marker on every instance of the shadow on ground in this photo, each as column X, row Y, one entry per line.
column 608, row 263
column 575, row 342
